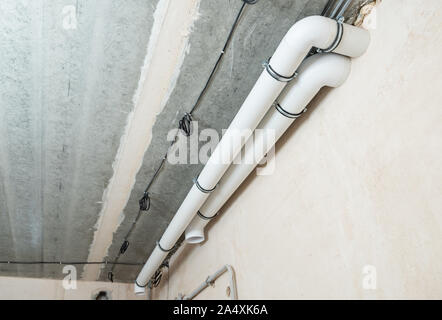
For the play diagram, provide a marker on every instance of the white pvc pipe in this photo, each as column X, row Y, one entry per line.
column 329, row 70
column 211, row 279
column 315, row 31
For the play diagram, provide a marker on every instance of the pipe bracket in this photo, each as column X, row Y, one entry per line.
column 141, row 285
column 338, row 38
column 275, row 75
column 203, row 190
column 205, row 217
column 287, row 114
column 162, row 249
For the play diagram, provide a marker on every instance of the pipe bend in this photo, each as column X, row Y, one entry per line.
column 329, row 70
column 320, row 70
column 319, row 32
column 312, row 31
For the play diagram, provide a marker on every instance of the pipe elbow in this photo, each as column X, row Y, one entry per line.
column 321, row 32
column 312, row 31
column 322, row 70
column 340, row 68
column 318, row 71
column 195, row 231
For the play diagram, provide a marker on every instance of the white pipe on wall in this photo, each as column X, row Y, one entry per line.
column 211, row 279
column 318, row 71
column 315, row 31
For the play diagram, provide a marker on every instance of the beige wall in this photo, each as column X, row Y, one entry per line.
column 358, row 182
column 46, row 289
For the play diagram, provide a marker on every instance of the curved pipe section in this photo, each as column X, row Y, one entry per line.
column 315, row 31
column 324, row 70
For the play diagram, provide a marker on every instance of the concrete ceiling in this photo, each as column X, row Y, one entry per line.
column 65, row 97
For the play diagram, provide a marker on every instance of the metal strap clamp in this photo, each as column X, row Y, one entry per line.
column 203, row 190
column 205, row 217
column 337, row 40
column 276, row 75
column 287, row 114
column 162, row 249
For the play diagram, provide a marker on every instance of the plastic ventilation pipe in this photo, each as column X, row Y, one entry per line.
column 314, row 31
column 320, row 70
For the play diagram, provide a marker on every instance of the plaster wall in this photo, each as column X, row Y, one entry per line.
column 357, row 184
column 15, row 288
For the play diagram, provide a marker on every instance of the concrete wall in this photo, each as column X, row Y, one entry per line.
column 14, row 288
column 358, row 183
column 61, row 84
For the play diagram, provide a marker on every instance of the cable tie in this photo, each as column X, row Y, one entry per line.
column 144, row 202
column 124, row 246
column 185, row 124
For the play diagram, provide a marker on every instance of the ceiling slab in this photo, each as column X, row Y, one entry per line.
column 67, row 86
column 64, row 99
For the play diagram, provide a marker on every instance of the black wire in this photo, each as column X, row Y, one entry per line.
column 185, row 126
column 218, row 61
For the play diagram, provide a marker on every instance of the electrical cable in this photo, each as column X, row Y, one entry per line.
column 220, row 57
column 185, row 126
column 145, row 201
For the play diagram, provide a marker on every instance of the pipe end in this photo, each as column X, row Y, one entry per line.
column 195, row 236
column 139, row 291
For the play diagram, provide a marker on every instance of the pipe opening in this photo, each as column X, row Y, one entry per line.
column 195, row 239
column 195, row 236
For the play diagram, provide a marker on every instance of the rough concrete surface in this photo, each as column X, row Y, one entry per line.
column 64, row 99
